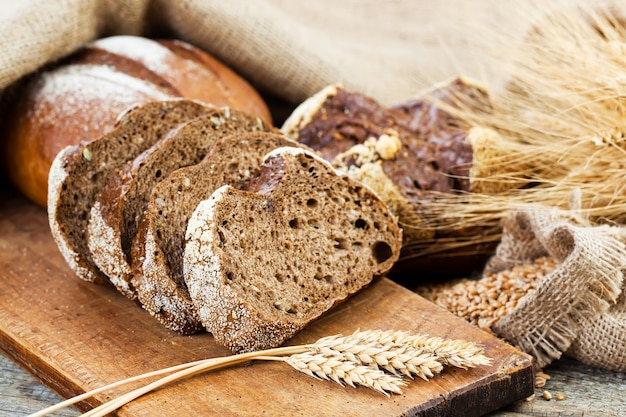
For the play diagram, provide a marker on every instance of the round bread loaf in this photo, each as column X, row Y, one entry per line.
column 80, row 98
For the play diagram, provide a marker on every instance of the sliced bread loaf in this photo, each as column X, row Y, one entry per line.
column 79, row 172
column 118, row 209
column 260, row 264
column 157, row 251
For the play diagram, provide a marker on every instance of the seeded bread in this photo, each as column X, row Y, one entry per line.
column 79, row 172
column 157, row 252
column 118, row 209
column 261, row 264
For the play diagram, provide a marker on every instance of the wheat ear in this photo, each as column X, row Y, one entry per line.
column 401, row 351
column 371, row 358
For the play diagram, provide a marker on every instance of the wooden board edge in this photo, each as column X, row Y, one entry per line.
column 45, row 373
column 479, row 398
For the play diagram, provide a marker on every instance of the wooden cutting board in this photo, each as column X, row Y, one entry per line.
column 76, row 336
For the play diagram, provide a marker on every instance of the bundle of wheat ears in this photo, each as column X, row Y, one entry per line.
column 556, row 132
column 372, row 358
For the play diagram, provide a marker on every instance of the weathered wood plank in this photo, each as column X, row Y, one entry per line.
column 21, row 394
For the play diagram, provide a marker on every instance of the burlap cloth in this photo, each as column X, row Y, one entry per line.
column 289, row 48
column 579, row 309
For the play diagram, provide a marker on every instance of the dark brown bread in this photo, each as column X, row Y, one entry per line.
column 410, row 154
column 118, row 209
column 434, row 156
column 157, row 252
column 79, row 172
column 263, row 263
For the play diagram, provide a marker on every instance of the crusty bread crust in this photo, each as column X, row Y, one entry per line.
column 263, row 263
column 302, row 115
column 158, row 294
column 80, row 171
column 65, row 107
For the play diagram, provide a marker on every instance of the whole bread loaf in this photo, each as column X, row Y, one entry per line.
column 262, row 263
column 157, row 252
column 79, row 99
column 118, row 208
column 79, row 172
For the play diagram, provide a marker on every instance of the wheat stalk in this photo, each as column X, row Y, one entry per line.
column 374, row 359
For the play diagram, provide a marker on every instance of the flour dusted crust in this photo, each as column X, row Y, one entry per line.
column 64, row 107
column 261, row 264
column 157, row 253
column 160, row 295
column 119, row 207
column 79, row 172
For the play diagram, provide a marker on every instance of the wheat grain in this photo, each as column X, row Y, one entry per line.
column 404, row 353
column 397, row 359
column 456, row 353
column 483, row 302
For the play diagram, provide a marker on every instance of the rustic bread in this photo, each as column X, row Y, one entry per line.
column 261, row 264
column 183, row 69
column 65, row 107
column 79, row 172
column 118, row 209
column 79, row 99
column 157, row 252
column 410, row 154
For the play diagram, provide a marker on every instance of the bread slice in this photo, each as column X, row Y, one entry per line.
column 157, row 252
column 261, row 264
column 79, row 172
column 118, row 209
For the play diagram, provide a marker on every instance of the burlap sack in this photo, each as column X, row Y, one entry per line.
column 601, row 340
column 573, row 310
column 288, row 48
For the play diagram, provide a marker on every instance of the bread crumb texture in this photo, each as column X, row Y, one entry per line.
column 260, row 264
column 124, row 197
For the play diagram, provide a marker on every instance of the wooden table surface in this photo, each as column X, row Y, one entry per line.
column 588, row 392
